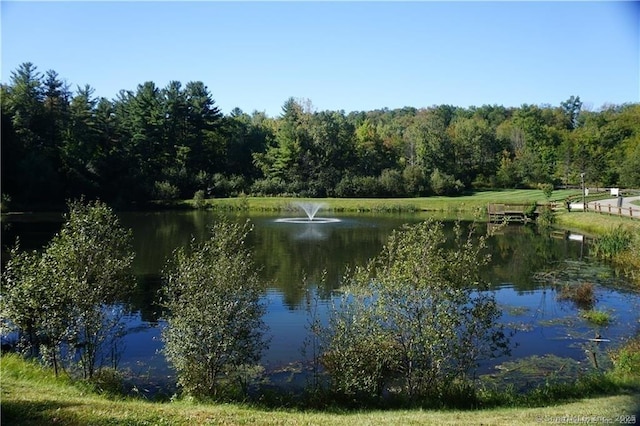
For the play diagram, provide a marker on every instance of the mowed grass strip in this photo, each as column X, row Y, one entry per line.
column 33, row 396
column 470, row 202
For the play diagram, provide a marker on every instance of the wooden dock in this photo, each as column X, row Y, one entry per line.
column 512, row 212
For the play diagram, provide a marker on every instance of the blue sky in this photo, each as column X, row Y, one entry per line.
column 341, row 55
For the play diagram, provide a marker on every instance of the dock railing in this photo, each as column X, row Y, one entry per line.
column 511, row 211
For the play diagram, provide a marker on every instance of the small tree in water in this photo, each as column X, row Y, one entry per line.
column 416, row 320
column 63, row 298
column 214, row 329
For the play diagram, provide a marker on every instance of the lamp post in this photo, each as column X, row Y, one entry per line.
column 584, row 206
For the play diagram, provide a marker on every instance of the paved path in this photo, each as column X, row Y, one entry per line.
column 613, row 202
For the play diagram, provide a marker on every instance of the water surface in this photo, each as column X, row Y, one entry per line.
column 293, row 258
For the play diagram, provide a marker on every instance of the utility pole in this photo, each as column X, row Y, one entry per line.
column 584, row 206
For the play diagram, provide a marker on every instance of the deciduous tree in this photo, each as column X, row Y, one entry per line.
column 214, row 326
column 418, row 317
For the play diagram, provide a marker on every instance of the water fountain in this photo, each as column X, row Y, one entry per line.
column 311, row 209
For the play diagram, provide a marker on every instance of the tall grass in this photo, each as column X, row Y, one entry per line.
column 628, row 261
column 612, row 243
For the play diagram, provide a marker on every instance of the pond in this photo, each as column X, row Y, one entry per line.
column 527, row 269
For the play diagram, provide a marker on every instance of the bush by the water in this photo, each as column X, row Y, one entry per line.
column 214, row 333
column 57, row 300
column 412, row 324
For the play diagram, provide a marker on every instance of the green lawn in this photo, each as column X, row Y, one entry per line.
column 464, row 203
column 32, row 396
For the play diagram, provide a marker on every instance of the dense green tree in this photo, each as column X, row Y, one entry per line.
column 433, row 143
column 33, row 160
column 81, row 149
column 630, row 166
column 571, row 111
column 10, row 149
column 373, row 155
column 206, row 150
column 475, row 149
column 146, row 121
column 283, row 158
column 57, row 96
column 25, row 104
column 331, row 152
column 171, row 142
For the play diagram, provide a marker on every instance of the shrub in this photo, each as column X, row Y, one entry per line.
column 445, row 184
column 108, row 381
column 214, row 328
column 626, row 360
column 546, row 218
column 270, row 186
column 165, row 191
column 84, row 268
column 358, row 187
column 415, row 182
column 358, row 358
column 237, row 185
column 546, row 188
column 391, row 183
column 414, row 318
column 628, row 260
column 198, row 199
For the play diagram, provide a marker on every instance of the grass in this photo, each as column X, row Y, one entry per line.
column 596, row 317
column 473, row 202
column 595, row 223
column 33, row 396
column 627, row 261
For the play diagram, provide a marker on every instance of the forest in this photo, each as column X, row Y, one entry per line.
column 156, row 143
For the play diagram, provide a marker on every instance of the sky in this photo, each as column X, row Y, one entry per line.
column 351, row 56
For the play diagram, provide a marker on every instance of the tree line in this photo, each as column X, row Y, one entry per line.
column 167, row 143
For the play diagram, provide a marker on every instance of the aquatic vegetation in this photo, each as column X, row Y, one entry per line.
column 516, row 311
column 612, row 243
column 527, row 373
column 597, row 317
column 581, row 294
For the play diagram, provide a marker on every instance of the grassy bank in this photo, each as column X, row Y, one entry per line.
column 595, row 223
column 464, row 203
column 33, row 396
column 609, row 230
